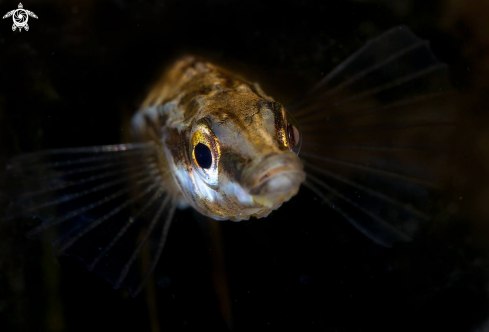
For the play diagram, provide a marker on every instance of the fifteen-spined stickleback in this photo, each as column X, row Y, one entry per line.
column 369, row 139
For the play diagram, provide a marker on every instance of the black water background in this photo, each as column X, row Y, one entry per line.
column 83, row 68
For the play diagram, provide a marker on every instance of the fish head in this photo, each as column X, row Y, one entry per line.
column 241, row 154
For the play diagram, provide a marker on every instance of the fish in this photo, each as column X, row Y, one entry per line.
column 371, row 140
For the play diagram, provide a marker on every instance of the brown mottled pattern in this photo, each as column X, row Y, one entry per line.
column 251, row 129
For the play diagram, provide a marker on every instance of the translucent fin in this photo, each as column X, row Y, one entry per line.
column 376, row 135
column 106, row 205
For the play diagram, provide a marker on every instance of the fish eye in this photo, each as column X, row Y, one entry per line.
column 294, row 137
column 205, row 152
column 203, row 155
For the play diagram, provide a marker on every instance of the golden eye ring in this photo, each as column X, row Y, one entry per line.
column 205, row 152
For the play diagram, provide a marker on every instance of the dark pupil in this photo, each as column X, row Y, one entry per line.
column 291, row 137
column 203, row 155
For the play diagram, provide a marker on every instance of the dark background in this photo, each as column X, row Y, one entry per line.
column 82, row 69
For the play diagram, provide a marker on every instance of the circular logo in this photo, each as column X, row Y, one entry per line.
column 20, row 17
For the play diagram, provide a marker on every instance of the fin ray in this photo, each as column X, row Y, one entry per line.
column 94, row 203
column 380, row 126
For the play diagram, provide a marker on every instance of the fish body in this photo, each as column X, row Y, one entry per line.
column 371, row 136
column 252, row 168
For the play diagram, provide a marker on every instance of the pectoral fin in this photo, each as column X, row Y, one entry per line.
column 106, row 205
column 377, row 133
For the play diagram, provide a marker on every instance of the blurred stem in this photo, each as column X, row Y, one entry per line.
column 54, row 308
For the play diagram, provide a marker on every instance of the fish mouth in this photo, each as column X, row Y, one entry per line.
column 274, row 179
